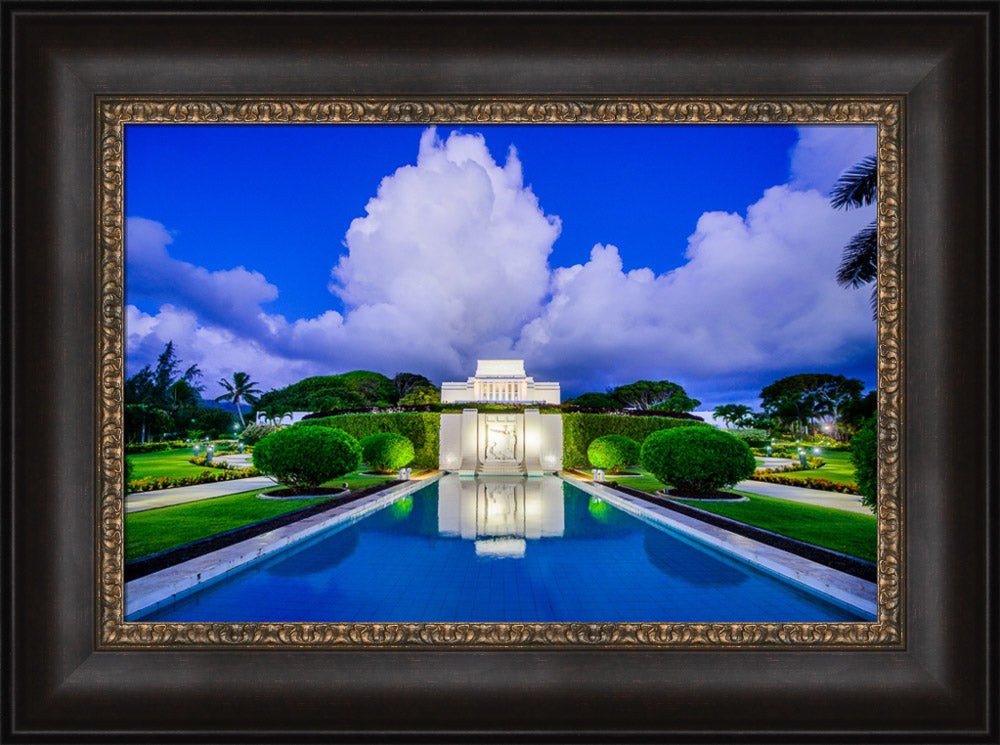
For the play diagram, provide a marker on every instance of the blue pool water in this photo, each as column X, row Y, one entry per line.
column 500, row 549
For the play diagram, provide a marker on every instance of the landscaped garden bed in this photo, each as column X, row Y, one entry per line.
column 155, row 483
column 806, row 482
column 167, row 469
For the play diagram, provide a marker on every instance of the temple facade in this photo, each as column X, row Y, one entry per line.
column 500, row 381
column 505, row 443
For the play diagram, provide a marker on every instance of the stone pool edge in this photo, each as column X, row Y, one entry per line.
column 163, row 587
column 841, row 588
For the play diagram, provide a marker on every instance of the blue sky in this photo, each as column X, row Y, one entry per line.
column 702, row 254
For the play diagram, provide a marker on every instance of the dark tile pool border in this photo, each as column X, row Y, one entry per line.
column 866, row 570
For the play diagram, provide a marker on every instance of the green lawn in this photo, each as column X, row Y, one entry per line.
column 645, row 482
column 156, row 530
column 838, row 468
column 164, row 463
column 848, row 532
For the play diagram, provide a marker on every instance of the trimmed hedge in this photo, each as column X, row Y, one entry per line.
column 864, row 456
column 423, row 430
column 435, row 408
column 697, row 461
column 154, row 447
column 386, row 451
column 613, row 452
column 579, row 430
column 303, row 458
column 755, row 438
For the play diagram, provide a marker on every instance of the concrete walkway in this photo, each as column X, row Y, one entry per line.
column 769, row 462
column 150, row 500
column 235, row 460
column 849, row 502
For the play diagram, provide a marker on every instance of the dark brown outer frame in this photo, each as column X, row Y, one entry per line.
column 57, row 58
column 886, row 632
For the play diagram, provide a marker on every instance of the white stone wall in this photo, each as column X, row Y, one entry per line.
column 500, row 381
column 546, row 392
column 450, row 453
column 551, row 442
column 289, row 418
column 500, row 443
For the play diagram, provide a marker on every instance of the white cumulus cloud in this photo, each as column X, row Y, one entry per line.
column 449, row 263
column 452, row 252
column 230, row 297
column 218, row 351
column 753, row 293
column 824, row 152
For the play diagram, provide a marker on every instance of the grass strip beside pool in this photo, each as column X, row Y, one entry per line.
column 151, row 531
column 838, row 530
column 848, row 532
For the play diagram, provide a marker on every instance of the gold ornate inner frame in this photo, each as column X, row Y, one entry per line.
column 113, row 113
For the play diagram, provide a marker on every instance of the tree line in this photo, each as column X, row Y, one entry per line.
column 807, row 404
column 164, row 400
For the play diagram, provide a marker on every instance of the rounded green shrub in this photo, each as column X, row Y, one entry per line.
column 864, row 456
column 613, row 452
column 697, row 460
column 386, row 451
column 302, row 458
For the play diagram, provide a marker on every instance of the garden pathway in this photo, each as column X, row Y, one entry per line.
column 849, row 502
column 150, row 500
column 236, row 460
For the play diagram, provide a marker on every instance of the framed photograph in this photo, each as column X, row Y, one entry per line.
column 503, row 209
column 498, row 553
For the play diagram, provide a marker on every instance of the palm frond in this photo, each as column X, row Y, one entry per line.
column 859, row 263
column 856, row 186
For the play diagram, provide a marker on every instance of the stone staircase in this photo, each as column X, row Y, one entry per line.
column 505, row 468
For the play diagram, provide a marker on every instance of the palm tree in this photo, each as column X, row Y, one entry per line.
column 240, row 389
column 734, row 415
column 275, row 413
column 858, row 187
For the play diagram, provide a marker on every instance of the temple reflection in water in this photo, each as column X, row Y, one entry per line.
column 501, row 514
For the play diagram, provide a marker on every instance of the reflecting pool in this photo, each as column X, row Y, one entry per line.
column 502, row 549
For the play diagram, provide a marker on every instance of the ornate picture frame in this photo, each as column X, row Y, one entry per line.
column 886, row 113
column 72, row 670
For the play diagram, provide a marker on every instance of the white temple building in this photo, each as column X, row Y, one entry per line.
column 523, row 443
column 500, row 381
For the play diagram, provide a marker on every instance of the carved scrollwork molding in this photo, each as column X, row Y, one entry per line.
column 113, row 114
